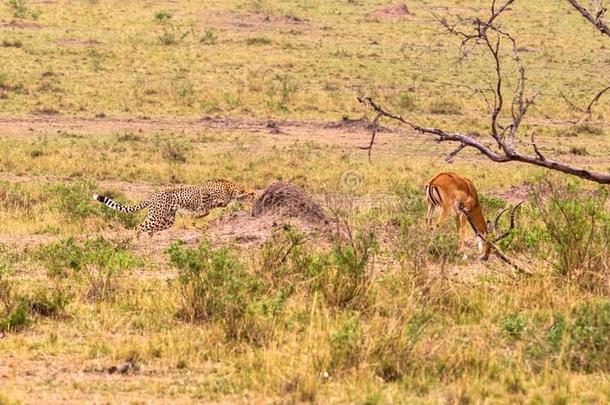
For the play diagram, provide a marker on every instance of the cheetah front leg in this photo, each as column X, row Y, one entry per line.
column 201, row 214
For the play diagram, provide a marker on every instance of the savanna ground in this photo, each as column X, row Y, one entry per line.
column 125, row 98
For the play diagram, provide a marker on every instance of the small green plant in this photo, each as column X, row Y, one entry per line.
column 172, row 35
column 13, row 311
column 13, row 196
column 21, row 9
column 47, row 302
column 443, row 106
column 282, row 256
column 17, row 310
column 347, row 277
column 73, row 200
column 589, row 334
column 183, row 89
column 406, row 101
column 258, row 41
column 163, row 16
column 209, row 37
column 513, row 326
column 176, row 151
column 279, row 92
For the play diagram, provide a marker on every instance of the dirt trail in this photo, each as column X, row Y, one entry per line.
column 344, row 132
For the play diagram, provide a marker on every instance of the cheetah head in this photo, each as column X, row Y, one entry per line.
column 244, row 193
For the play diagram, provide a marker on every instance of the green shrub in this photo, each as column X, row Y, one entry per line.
column 347, row 278
column 15, row 317
column 18, row 310
column 578, row 226
column 13, row 196
column 73, row 200
column 176, row 151
column 279, row 92
column 589, row 337
column 163, row 16
column 47, row 302
column 443, row 106
column 391, row 349
column 346, row 344
column 21, row 9
column 68, row 256
column 283, row 256
column 213, row 285
column 209, row 37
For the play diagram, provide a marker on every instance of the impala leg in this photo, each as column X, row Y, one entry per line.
column 429, row 213
column 442, row 217
column 462, row 225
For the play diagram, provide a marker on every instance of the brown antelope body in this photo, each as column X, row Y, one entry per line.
column 452, row 192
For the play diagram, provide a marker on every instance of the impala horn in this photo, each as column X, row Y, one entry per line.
column 512, row 222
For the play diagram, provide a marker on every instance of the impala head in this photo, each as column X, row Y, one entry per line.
column 488, row 237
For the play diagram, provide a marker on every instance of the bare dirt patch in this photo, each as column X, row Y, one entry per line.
column 515, row 194
column 350, row 133
column 398, row 11
column 20, row 25
column 78, row 42
column 252, row 22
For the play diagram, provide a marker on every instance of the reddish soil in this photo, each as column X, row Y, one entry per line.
column 398, row 11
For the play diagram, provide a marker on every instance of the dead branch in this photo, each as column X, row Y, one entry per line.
column 586, row 112
column 508, row 155
column 501, row 255
column 597, row 20
column 374, row 130
column 504, row 126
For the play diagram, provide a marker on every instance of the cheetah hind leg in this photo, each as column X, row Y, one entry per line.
column 147, row 226
column 150, row 225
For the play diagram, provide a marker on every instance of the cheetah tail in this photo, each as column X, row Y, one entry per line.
column 116, row 206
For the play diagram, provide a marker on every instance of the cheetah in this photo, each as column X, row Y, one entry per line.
column 197, row 200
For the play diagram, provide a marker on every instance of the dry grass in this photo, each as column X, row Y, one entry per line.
column 370, row 309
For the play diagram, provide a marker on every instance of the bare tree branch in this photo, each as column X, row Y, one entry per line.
column 586, row 112
column 499, row 157
column 455, row 152
column 536, row 150
column 597, row 20
column 503, row 129
column 374, row 130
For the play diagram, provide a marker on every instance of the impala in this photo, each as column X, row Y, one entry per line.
column 452, row 192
